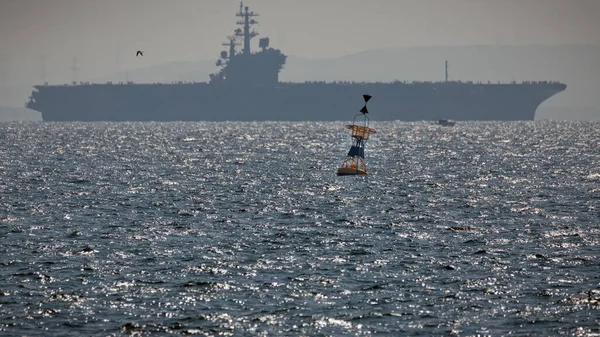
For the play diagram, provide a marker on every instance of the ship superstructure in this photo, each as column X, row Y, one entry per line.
column 248, row 68
column 246, row 87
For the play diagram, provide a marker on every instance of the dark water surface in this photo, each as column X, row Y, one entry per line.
column 244, row 229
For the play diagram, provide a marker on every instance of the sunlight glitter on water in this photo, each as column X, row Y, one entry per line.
column 483, row 228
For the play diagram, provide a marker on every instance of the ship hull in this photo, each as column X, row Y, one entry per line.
column 290, row 101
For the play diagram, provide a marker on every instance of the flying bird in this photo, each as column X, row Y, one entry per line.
column 139, row 53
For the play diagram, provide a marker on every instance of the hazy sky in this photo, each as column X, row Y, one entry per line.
column 104, row 34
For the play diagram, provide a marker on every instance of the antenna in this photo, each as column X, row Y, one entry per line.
column 74, row 69
column 44, row 75
column 3, row 76
column 446, row 70
column 118, row 58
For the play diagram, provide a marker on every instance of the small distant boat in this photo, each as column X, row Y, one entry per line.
column 355, row 164
column 445, row 122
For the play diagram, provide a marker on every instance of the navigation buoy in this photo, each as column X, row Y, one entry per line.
column 355, row 163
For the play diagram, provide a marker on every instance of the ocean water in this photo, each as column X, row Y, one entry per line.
column 243, row 229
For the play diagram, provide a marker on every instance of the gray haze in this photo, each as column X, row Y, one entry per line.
column 63, row 40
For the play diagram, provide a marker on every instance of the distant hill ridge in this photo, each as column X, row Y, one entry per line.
column 573, row 65
column 476, row 63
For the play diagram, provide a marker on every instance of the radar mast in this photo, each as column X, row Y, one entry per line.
column 231, row 43
column 246, row 22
